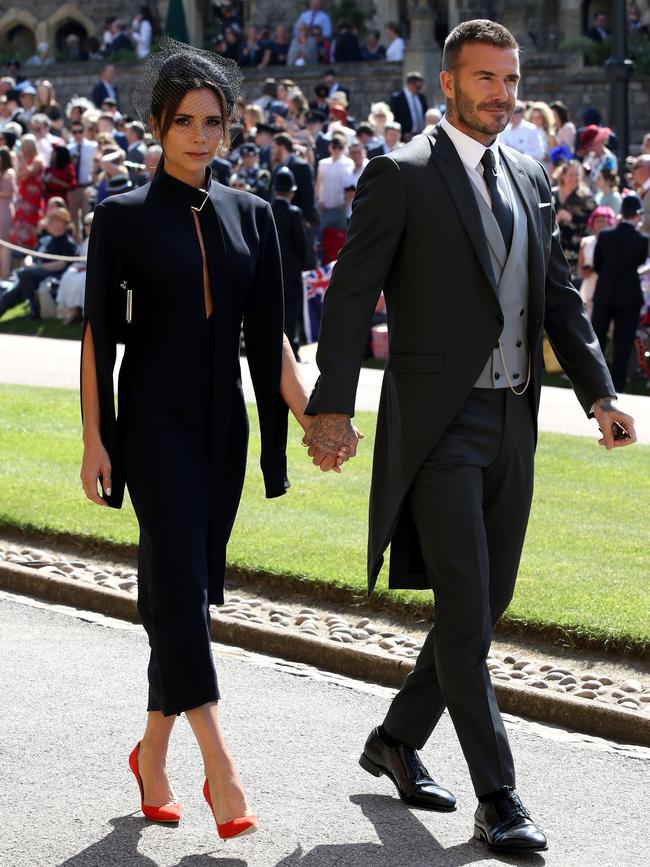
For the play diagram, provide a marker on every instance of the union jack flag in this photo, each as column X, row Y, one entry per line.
column 315, row 285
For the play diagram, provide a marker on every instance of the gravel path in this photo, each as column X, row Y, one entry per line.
column 592, row 680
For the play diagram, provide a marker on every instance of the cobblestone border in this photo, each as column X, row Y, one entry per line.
column 607, row 721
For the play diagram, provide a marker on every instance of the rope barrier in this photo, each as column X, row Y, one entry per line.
column 37, row 254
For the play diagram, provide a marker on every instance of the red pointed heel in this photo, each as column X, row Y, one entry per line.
column 167, row 812
column 235, row 827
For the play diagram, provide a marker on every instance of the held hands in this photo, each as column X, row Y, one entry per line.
column 95, row 463
column 331, row 439
column 617, row 427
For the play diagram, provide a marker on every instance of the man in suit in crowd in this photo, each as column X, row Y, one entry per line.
column 82, row 150
column 460, row 234
column 282, row 154
column 409, row 106
column 641, row 174
column 618, row 297
column 136, row 149
column 392, row 140
column 294, row 248
column 264, row 133
column 522, row 135
column 105, row 86
column 599, row 32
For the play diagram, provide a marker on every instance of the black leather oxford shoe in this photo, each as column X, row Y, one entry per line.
column 403, row 766
column 506, row 825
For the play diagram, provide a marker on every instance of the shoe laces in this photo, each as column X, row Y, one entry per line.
column 415, row 763
column 512, row 807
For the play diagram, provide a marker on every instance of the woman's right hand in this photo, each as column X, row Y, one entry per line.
column 95, row 463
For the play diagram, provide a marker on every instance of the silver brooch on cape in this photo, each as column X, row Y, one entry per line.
column 129, row 301
column 200, row 207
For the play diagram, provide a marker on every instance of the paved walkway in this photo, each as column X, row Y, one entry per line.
column 73, row 689
column 55, row 363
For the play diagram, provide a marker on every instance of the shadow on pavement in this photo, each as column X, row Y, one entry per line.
column 404, row 841
column 120, row 849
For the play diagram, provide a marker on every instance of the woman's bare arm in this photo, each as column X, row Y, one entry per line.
column 293, row 390
column 96, row 461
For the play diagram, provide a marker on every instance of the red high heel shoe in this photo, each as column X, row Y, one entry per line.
column 167, row 812
column 235, row 827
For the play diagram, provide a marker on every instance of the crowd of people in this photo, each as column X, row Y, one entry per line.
column 58, row 162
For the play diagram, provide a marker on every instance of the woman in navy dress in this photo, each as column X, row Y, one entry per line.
column 174, row 270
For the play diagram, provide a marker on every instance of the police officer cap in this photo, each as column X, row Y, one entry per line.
column 315, row 116
column 266, row 127
column 285, row 181
column 249, row 148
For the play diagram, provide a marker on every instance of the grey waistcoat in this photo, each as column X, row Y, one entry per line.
column 511, row 273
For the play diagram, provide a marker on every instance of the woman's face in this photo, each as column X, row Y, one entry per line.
column 537, row 118
column 572, row 177
column 195, row 133
column 42, row 94
column 557, row 120
column 600, row 223
column 601, row 183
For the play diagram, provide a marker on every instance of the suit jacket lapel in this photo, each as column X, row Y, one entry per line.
column 444, row 157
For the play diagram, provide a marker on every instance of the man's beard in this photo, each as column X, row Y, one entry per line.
column 467, row 112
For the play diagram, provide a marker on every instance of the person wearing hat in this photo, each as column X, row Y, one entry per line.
column 58, row 242
column 264, row 133
column 597, row 156
column 641, row 175
column 292, row 235
column 618, row 298
column 283, row 154
column 257, row 178
column 602, row 217
column 27, row 99
column 320, row 103
column 409, row 106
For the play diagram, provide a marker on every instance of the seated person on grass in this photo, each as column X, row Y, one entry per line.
column 57, row 241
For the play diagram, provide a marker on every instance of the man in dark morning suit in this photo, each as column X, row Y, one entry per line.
column 293, row 246
column 105, row 87
column 409, row 106
column 461, row 236
column 618, row 297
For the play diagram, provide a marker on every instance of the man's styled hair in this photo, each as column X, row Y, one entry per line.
column 284, row 140
column 478, row 30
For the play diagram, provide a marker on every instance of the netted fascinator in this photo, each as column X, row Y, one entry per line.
column 173, row 70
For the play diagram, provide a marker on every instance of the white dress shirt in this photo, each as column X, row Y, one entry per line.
column 332, row 180
column 525, row 138
column 86, row 161
column 395, row 50
column 471, row 153
column 311, row 18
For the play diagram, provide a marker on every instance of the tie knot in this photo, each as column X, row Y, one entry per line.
column 488, row 162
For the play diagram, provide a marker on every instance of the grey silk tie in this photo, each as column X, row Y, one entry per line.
column 500, row 204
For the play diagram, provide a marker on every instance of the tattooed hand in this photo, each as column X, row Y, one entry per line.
column 617, row 427
column 332, row 440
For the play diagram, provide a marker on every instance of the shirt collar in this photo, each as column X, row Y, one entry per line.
column 469, row 150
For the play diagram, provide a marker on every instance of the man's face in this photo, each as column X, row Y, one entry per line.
column 328, row 79
column 415, row 86
column 56, row 226
column 356, row 154
column 391, row 137
column 314, row 5
column 481, row 90
column 37, row 129
column 26, row 100
column 641, row 171
column 109, row 72
column 249, row 161
column 601, row 21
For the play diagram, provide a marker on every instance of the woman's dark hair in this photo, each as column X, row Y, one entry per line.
column 5, row 158
column 561, row 110
column 610, row 176
column 479, row 30
column 175, row 70
column 10, row 138
column 60, row 157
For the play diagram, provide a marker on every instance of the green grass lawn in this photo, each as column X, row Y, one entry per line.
column 15, row 321
column 584, row 567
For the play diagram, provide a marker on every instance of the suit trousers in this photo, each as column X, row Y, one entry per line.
column 626, row 322
column 470, row 502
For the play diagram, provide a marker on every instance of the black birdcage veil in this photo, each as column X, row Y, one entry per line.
column 176, row 68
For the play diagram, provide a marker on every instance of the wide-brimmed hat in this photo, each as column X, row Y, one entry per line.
column 338, row 98
column 592, row 135
column 338, row 112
